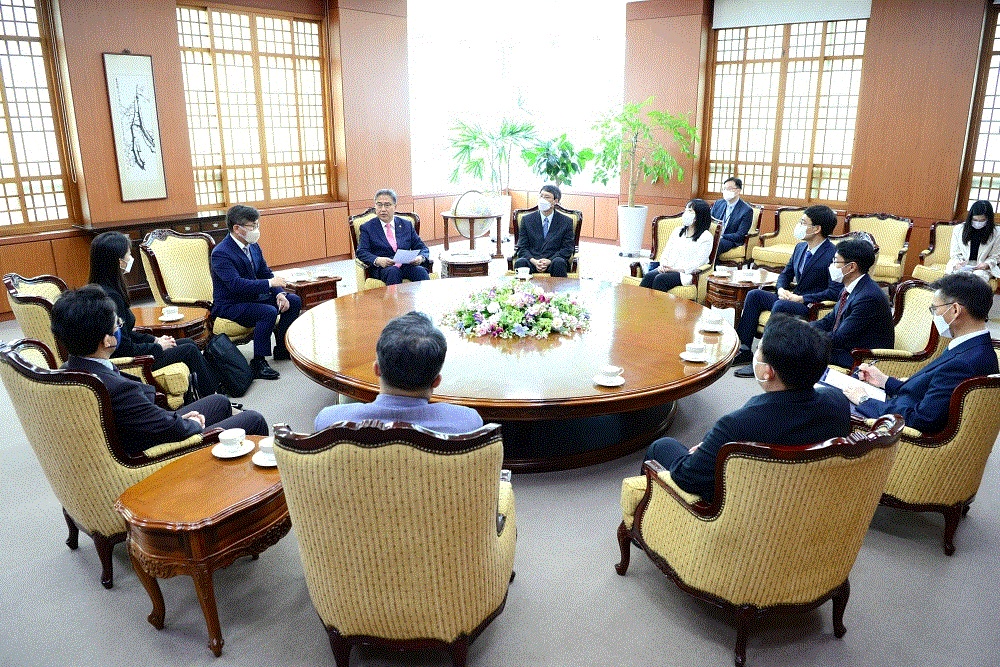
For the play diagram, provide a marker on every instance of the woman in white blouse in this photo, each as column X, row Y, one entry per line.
column 975, row 246
column 686, row 250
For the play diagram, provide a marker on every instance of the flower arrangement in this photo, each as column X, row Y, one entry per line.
column 516, row 309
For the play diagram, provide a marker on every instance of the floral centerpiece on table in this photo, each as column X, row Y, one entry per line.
column 517, row 309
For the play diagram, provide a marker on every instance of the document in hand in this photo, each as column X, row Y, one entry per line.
column 405, row 256
column 834, row 378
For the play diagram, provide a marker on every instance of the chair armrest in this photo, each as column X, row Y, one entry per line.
column 656, row 473
column 902, row 252
column 861, row 355
column 700, row 270
column 924, row 253
column 761, row 237
column 141, row 366
column 200, row 303
column 815, row 307
column 636, row 269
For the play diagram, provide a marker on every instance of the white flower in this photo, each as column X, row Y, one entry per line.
column 557, row 323
column 494, row 318
column 493, row 307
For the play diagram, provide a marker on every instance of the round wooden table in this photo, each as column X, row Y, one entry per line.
column 542, row 391
column 191, row 325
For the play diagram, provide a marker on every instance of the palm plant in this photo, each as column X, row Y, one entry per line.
column 480, row 150
column 556, row 160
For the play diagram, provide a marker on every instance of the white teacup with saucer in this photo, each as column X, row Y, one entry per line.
column 232, row 444
column 610, row 376
column 694, row 352
column 711, row 321
column 264, row 456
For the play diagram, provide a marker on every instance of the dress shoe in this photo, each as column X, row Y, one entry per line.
column 745, row 372
column 281, row 354
column 262, row 371
column 744, row 357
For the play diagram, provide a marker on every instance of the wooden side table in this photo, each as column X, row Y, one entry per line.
column 472, row 219
column 724, row 292
column 198, row 514
column 191, row 325
column 464, row 264
column 315, row 291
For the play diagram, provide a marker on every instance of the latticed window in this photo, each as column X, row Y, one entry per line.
column 33, row 183
column 785, row 100
column 254, row 91
column 982, row 165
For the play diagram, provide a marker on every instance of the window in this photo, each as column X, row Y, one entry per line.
column 33, row 183
column 981, row 178
column 785, row 99
column 254, row 91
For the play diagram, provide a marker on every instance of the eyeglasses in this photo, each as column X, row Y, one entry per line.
column 932, row 309
column 730, row 189
column 251, row 225
column 384, row 204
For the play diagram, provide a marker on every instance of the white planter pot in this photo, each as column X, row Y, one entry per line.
column 631, row 225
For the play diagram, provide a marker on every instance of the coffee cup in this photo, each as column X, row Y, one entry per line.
column 170, row 311
column 523, row 272
column 611, row 372
column 695, row 349
column 266, row 446
column 232, row 439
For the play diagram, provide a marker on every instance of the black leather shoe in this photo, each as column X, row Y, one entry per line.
column 281, row 354
column 743, row 358
column 262, row 371
column 745, row 372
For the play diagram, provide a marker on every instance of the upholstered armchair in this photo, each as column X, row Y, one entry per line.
column 916, row 341
column 774, row 249
column 573, row 269
column 364, row 274
column 406, row 536
column 663, row 227
column 775, row 508
column 31, row 300
column 67, row 418
column 941, row 472
column 934, row 260
column 179, row 267
column 893, row 235
column 739, row 256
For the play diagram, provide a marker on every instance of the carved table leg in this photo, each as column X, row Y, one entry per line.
column 73, row 541
column 152, row 587
column 206, row 597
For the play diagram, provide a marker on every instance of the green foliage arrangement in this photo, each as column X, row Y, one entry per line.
column 556, row 160
column 480, row 150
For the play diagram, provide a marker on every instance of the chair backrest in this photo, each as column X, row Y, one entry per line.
column 663, row 227
column 31, row 301
column 67, row 418
column 939, row 246
column 914, row 324
column 179, row 266
column 397, row 526
column 576, row 216
column 779, row 507
column 785, row 219
column 892, row 232
column 355, row 222
column 755, row 219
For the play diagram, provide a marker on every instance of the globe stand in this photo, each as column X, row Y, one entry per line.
column 471, row 222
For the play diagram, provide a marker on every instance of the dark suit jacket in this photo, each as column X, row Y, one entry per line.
column 792, row 417
column 811, row 282
column 866, row 322
column 236, row 281
column 373, row 244
column 739, row 222
column 134, row 343
column 139, row 421
column 923, row 399
column 561, row 241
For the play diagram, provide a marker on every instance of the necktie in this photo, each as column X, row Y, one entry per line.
column 805, row 260
column 725, row 223
column 545, row 227
column 246, row 251
column 390, row 236
column 840, row 309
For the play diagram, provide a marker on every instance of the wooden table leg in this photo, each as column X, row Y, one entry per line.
column 152, row 587
column 206, row 597
column 498, row 254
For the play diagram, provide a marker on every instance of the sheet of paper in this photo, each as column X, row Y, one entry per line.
column 405, row 256
column 837, row 379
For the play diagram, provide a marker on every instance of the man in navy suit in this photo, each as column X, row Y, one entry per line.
column 546, row 238
column 86, row 323
column 804, row 280
column 735, row 214
column 961, row 306
column 246, row 291
column 790, row 359
column 862, row 317
column 381, row 237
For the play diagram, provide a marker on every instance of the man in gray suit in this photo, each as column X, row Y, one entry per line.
column 546, row 238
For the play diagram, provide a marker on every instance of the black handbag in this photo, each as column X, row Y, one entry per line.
column 230, row 366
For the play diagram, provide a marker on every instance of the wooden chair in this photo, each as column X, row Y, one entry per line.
column 782, row 533
column 663, row 227
column 67, row 418
column 573, row 268
column 740, row 256
column 406, row 536
column 31, row 301
column 916, row 341
column 180, row 271
column 893, row 234
column 933, row 262
column 774, row 249
column 365, row 275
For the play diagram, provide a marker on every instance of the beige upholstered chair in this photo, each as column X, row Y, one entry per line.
column 934, row 260
column 363, row 274
column 406, row 535
column 916, row 341
column 774, row 249
column 179, row 268
column 893, row 236
column 782, row 533
column 573, row 268
column 663, row 227
column 67, row 418
column 739, row 256
column 31, row 300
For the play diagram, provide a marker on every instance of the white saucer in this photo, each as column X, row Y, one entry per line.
column 711, row 328
column 722, row 274
column 694, row 358
column 263, row 460
column 220, row 452
column 171, row 318
column 603, row 381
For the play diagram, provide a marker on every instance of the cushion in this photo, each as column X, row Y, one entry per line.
column 773, row 255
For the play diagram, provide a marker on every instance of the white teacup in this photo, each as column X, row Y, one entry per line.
column 266, row 446
column 611, row 372
column 712, row 317
column 170, row 311
column 523, row 272
column 695, row 349
column 232, row 439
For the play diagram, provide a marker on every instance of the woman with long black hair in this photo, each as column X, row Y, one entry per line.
column 975, row 246
column 110, row 259
column 687, row 249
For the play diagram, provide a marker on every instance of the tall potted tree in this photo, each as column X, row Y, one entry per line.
column 556, row 161
column 630, row 143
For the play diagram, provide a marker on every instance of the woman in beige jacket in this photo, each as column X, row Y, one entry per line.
column 975, row 246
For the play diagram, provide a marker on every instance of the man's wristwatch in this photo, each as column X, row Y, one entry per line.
column 863, row 399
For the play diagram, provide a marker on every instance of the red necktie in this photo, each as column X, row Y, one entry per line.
column 840, row 309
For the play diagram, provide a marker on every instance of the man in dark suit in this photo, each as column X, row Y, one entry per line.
column 246, row 291
column 546, row 238
column 380, row 238
column 735, row 214
column 804, row 280
column 862, row 317
column 961, row 306
column 86, row 323
column 790, row 359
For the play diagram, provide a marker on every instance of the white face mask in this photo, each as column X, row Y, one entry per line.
column 755, row 376
column 836, row 274
column 943, row 326
column 544, row 205
column 687, row 217
column 128, row 264
column 800, row 232
column 253, row 236
column 978, row 224
column 728, row 195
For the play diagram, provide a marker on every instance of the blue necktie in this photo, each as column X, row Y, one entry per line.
column 805, row 260
column 545, row 227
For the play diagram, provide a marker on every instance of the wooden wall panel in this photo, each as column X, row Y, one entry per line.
column 72, row 259
column 424, row 208
column 585, row 204
column 289, row 238
column 442, row 204
column 338, row 236
column 606, row 218
column 912, row 121
column 26, row 259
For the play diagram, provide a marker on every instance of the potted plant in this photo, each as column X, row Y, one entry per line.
column 630, row 143
column 556, row 160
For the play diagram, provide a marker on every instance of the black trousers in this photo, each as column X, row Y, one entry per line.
column 663, row 282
